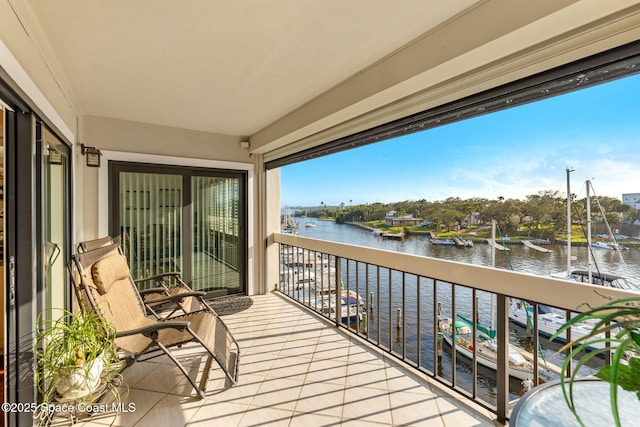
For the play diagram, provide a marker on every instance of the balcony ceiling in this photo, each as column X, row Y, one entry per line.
column 229, row 67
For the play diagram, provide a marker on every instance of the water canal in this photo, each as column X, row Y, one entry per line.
column 420, row 345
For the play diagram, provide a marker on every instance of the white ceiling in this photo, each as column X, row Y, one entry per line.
column 224, row 66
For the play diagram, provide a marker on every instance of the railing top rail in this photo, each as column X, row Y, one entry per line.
column 559, row 293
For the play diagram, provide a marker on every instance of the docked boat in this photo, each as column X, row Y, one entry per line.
column 485, row 348
column 602, row 245
column 351, row 306
column 443, row 242
column 601, row 279
column 549, row 321
column 590, row 275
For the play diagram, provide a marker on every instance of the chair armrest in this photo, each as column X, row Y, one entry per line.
column 155, row 328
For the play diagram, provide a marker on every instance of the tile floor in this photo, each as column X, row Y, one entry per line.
column 296, row 370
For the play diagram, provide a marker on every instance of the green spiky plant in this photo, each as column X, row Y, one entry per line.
column 71, row 342
column 621, row 319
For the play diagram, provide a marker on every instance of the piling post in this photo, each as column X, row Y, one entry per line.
column 371, row 303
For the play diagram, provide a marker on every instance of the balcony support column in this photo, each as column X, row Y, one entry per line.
column 338, row 291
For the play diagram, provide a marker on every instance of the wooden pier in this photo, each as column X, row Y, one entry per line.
column 528, row 244
column 497, row 245
column 396, row 236
column 459, row 242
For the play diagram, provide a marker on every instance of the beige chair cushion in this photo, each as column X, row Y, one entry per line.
column 108, row 271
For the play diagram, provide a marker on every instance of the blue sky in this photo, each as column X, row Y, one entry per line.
column 512, row 153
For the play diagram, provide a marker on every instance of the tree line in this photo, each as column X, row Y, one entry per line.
column 545, row 210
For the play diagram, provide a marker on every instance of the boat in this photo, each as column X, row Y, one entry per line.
column 351, row 305
column 443, row 242
column 288, row 226
column 309, row 224
column 298, row 279
column 588, row 275
column 549, row 321
column 602, row 279
column 485, row 349
column 602, row 245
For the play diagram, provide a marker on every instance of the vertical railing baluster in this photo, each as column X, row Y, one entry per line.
column 569, row 369
column 347, row 287
column 418, row 329
column 368, row 306
column 536, row 341
column 357, row 295
column 378, row 305
column 502, row 372
column 338, row 291
column 453, row 332
column 390, row 318
column 404, row 316
column 474, row 366
column 436, row 326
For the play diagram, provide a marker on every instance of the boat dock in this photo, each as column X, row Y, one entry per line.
column 459, row 242
column 395, row 236
column 497, row 245
column 528, row 244
column 542, row 364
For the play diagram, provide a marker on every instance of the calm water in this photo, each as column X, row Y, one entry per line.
column 523, row 259
column 390, row 295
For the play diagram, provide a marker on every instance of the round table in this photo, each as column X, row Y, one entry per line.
column 545, row 406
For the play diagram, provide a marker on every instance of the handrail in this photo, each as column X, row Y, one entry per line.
column 505, row 284
column 564, row 294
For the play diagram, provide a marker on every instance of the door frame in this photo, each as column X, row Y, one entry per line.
column 24, row 245
column 187, row 172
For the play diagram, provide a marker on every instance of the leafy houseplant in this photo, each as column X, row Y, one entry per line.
column 621, row 319
column 76, row 354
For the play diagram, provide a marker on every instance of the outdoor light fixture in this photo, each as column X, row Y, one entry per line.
column 93, row 155
column 54, row 157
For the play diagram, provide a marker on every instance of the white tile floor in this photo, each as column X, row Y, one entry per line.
column 296, row 370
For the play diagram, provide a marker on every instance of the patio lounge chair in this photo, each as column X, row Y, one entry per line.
column 104, row 278
column 169, row 294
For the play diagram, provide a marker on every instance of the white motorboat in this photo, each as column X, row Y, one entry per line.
column 549, row 321
column 351, row 306
column 602, row 245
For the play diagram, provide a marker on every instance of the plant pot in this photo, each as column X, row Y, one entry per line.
column 80, row 381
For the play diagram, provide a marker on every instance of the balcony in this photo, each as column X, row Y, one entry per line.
column 299, row 367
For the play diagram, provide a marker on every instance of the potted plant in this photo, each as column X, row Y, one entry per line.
column 620, row 318
column 76, row 356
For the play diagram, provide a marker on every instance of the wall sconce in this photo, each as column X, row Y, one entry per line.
column 54, row 157
column 93, row 155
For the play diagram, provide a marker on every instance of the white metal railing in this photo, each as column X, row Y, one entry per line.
column 406, row 298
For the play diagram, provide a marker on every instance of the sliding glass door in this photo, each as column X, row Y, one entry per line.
column 188, row 220
column 150, row 221
column 55, row 224
column 216, row 255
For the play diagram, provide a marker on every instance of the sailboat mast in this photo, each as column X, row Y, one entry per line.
column 569, row 170
column 589, row 257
